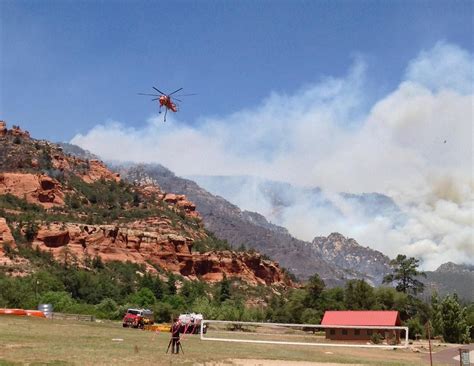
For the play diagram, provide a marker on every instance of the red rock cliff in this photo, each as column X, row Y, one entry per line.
column 153, row 241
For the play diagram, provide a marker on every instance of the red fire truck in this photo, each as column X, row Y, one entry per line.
column 137, row 318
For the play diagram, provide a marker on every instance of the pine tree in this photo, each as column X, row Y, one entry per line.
column 314, row 288
column 405, row 271
column 172, row 289
column 359, row 295
column 437, row 320
column 454, row 318
column 224, row 293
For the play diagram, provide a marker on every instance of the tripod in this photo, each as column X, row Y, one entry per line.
column 178, row 345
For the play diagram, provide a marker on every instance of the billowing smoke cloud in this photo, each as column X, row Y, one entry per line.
column 414, row 145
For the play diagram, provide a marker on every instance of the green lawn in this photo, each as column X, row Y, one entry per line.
column 44, row 342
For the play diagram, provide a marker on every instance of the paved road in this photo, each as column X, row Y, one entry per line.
column 450, row 356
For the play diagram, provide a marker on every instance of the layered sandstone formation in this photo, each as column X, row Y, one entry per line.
column 153, row 242
column 35, row 188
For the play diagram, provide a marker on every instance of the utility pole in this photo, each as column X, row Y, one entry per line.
column 428, row 333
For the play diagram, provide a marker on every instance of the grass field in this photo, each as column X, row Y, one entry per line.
column 45, row 342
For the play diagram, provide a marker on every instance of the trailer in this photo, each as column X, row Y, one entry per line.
column 191, row 323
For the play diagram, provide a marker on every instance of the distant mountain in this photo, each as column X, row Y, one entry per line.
column 347, row 253
column 77, row 151
column 272, row 198
column 450, row 278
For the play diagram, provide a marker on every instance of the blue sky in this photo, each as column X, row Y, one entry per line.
column 67, row 66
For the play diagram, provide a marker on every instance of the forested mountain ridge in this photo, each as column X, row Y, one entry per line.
column 252, row 230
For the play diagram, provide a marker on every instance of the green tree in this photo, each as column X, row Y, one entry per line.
column 204, row 306
column 405, row 271
column 388, row 298
column 163, row 312
column 136, row 199
column 97, row 263
column 60, row 300
column 191, row 290
column 436, row 319
column 31, row 231
column 311, row 316
column 314, row 288
column 171, row 285
column 359, row 295
column 415, row 328
column 143, row 298
column 470, row 319
column 331, row 298
column 294, row 307
column 108, row 309
column 224, row 289
column 454, row 320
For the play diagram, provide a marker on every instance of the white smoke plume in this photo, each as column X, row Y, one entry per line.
column 414, row 145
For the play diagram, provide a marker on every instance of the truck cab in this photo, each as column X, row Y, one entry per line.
column 137, row 318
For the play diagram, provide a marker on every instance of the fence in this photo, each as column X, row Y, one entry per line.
column 81, row 317
column 292, row 334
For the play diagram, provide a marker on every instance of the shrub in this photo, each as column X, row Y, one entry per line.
column 415, row 329
column 108, row 309
column 9, row 251
column 143, row 298
column 61, row 300
column 376, row 338
column 164, row 312
column 31, row 231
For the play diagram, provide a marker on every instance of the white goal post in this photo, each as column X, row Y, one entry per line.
column 209, row 323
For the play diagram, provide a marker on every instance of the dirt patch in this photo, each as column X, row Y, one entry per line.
column 252, row 362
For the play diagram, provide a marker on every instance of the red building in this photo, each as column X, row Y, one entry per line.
column 361, row 319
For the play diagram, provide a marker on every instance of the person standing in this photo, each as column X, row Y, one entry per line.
column 175, row 335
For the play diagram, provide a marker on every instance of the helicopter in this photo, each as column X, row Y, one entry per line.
column 164, row 100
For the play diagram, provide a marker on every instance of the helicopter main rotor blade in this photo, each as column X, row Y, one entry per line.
column 179, row 100
column 153, row 95
column 175, row 91
column 185, row 95
column 156, row 99
column 159, row 91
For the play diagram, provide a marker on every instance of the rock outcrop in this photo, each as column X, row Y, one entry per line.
column 347, row 253
column 21, row 153
column 6, row 261
column 97, row 170
column 3, row 128
column 178, row 202
column 153, row 243
column 6, row 236
column 35, row 188
column 17, row 131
